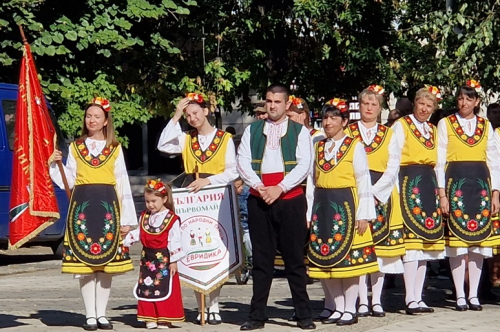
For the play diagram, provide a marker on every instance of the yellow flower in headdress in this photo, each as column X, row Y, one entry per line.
column 339, row 103
column 104, row 103
column 197, row 97
column 377, row 89
column 474, row 84
column 296, row 101
column 435, row 91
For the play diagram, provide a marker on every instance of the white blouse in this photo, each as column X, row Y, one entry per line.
column 174, row 236
column 382, row 189
column 272, row 161
column 128, row 215
column 468, row 126
column 173, row 140
column 366, row 202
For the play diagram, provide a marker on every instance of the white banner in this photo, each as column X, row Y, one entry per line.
column 211, row 236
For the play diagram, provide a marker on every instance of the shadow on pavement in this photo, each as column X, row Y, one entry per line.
column 22, row 259
column 10, row 321
column 59, row 318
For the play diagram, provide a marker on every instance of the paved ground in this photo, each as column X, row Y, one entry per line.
column 35, row 296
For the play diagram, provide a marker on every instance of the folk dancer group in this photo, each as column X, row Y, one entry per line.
column 348, row 201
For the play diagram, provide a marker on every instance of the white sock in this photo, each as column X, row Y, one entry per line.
column 363, row 294
column 329, row 300
column 457, row 266
column 351, row 290
column 475, row 268
column 377, row 280
column 214, row 300
column 102, row 290
column 334, row 287
column 87, row 289
column 410, row 271
column 419, row 282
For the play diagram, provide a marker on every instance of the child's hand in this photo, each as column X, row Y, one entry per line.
column 124, row 231
column 173, row 268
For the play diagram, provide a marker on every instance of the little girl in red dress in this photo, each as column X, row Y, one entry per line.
column 158, row 289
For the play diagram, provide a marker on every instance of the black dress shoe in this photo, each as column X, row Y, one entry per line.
column 475, row 307
column 322, row 318
column 425, row 309
column 306, row 324
column 89, row 327
column 364, row 314
column 104, row 326
column 412, row 311
column 213, row 319
column 377, row 313
column 251, row 325
column 332, row 320
column 351, row 321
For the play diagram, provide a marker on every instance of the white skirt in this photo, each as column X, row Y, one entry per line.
column 390, row 265
column 421, row 255
column 487, row 252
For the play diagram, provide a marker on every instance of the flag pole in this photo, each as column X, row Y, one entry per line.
column 202, row 295
column 59, row 162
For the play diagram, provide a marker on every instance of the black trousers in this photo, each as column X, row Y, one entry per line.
column 281, row 224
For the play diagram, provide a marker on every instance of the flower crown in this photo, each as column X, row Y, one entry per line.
column 296, row 101
column 156, row 185
column 104, row 103
column 197, row 97
column 378, row 89
column 474, row 84
column 435, row 91
column 339, row 103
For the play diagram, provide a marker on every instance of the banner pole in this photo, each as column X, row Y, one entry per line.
column 202, row 295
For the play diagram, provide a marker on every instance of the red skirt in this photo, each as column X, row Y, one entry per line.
column 166, row 311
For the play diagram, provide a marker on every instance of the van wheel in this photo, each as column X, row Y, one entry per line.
column 58, row 248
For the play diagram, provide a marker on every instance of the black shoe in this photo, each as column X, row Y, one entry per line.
column 306, row 324
column 104, row 326
column 351, row 321
column 377, row 313
column 460, row 307
column 364, row 314
column 251, row 325
column 475, row 307
column 214, row 320
column 425, row 309
column 322, row 318
column 89, row 327
column 412, row 311
column 332, row 320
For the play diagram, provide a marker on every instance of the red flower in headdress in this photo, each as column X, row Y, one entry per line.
column 339, row 103
column 195, row 97
column 377, row 89
column 104, row 103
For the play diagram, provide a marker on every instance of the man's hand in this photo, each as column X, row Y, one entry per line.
column 271, row 194
column 196, row 185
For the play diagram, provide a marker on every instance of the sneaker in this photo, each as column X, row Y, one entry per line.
column 151, row 325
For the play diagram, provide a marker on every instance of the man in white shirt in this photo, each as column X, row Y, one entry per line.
column 274, row 157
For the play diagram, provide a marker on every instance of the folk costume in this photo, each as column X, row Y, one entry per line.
column 387, row 228
column 101, row 202
column 271, row 154
column 342, row 195
column 468, row 171
column 213, row 155
column 157, row 291
column 423, row 226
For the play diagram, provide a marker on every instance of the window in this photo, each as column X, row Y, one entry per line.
column 9, row 110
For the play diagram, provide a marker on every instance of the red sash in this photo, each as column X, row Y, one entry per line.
column 273, row 179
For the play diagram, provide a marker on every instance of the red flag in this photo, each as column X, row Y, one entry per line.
column 33, row 204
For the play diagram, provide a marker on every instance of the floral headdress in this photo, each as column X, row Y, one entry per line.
column 339, row 103
column 104, row 103
column 435, row 91
column 378, row 89
column 197, row 97
column 296, row 101
column 157, row 185
column 474, row 84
